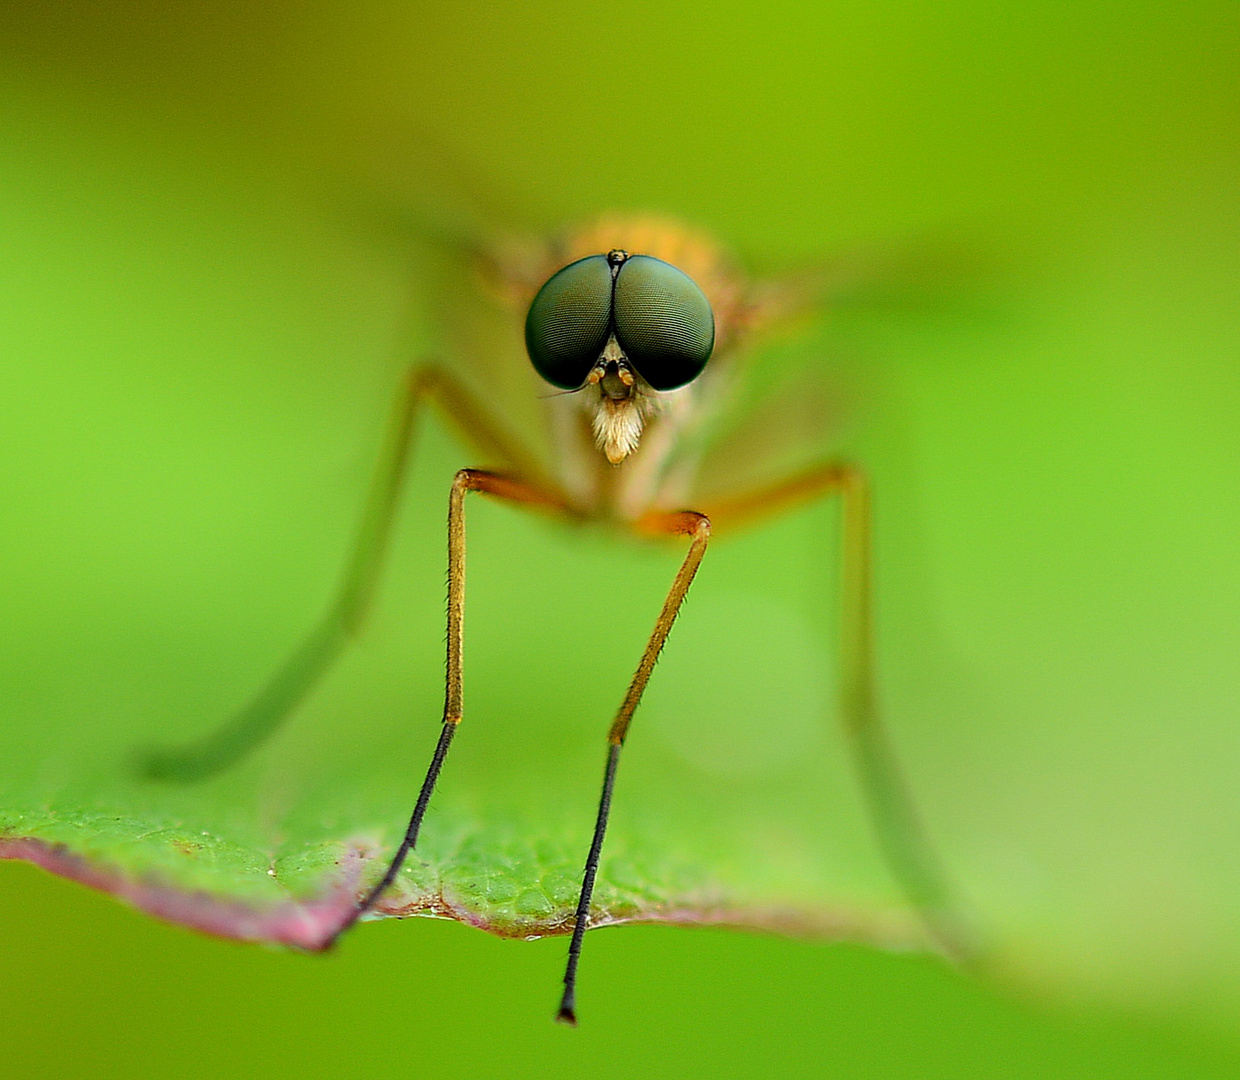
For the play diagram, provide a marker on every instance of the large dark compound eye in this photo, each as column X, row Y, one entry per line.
column 661, row 319
column 569, row 322
column 663, row 322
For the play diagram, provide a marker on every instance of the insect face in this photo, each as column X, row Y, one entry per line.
column 603, row 318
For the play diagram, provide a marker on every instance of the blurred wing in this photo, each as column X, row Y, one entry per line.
column 790, row 389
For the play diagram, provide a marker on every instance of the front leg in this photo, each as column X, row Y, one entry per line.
column 502, row 487
column 696, row 526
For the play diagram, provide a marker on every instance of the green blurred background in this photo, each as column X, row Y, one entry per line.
column 204, row 314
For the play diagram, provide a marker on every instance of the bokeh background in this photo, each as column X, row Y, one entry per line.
column 206, row 303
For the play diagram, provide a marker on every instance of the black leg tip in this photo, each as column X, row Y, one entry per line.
column 165, row 766
column 178, row 765
column 566, row 1016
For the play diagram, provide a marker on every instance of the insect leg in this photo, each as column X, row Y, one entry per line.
column 689, row 524
column 893, row 812
column 264, row 714
column 503, row 487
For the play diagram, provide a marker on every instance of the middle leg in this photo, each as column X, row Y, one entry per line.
column 893, row 811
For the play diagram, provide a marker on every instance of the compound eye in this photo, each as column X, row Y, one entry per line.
column 569, row 322
column 663, row 322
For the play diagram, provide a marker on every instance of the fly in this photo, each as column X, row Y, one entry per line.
column 630, row 356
